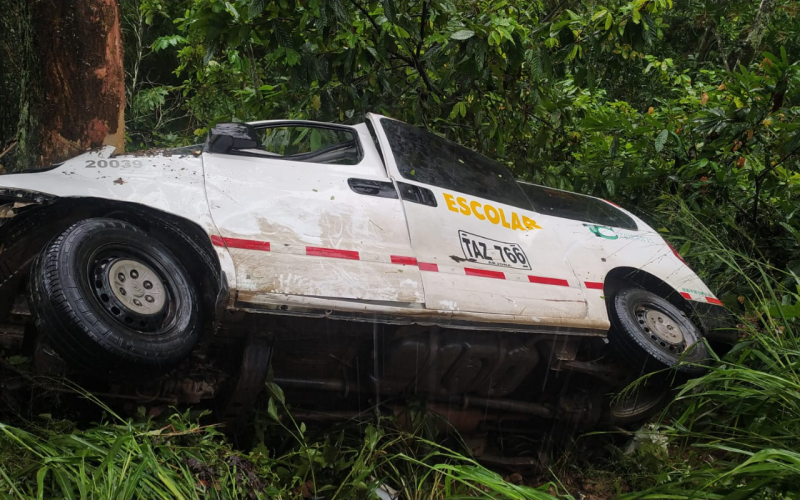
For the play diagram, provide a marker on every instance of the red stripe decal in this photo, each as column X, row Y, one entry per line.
column 712, row 300
column 217, row 240
column 424, row 266
column 593, row 285
column 612, row 203
column 548, row 281
column 406, row 261
column 687, row 296
column 332, row 253
column 247, row 244
column 483, row 273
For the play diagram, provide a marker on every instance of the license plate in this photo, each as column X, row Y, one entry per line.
column 492, row 252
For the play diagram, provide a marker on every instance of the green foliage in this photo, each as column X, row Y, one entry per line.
column 177, row 458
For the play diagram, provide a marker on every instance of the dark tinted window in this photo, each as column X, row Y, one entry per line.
column 428, row 158
column 576, row 207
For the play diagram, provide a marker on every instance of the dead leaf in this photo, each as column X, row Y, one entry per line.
column 704, row 99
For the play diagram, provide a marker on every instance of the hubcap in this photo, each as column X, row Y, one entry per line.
column 137, row 287
column 130, row 291
column 661, row 328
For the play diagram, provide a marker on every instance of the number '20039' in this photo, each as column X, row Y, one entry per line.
column 113, row 163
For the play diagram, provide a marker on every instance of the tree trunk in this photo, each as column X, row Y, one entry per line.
column 66, row 72
column 748, row 45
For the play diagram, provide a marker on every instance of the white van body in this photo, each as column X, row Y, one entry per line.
column 294, row 235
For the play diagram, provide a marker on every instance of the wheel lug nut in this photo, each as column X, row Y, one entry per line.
column 121, row 277
column 137, row 302
column 122, row 291
column 134, row 274
column 147, row 285
column 148, row 298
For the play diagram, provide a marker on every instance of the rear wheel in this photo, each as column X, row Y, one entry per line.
column 652, row 334
column 635, row 406
column 108, row 296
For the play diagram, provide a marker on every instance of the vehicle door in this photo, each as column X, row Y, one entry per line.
column 480, row 246
column 597, row 236
column 307, row 211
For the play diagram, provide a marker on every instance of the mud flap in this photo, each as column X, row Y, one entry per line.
column 236, row 406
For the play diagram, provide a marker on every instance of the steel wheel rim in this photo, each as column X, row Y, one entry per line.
column 118, row 298
column 662, row 329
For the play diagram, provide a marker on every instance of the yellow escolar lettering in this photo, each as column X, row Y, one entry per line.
column 474, row 205
column 463, row 204
column 491, row 213
column 530, row 223
column 495, row 215
column 503, row 218
column 515, row 224
column 450, row 200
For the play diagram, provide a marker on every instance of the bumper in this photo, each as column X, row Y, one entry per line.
column 717, row 323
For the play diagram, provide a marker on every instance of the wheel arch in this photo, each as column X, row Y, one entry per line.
column 715, row 322
column 25, row 235
column 620, row 277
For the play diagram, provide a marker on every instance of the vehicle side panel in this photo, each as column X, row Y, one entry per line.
column 172, row 184
column 297, row 228
column 596, row 250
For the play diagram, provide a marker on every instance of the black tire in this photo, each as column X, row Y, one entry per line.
column 647, row 350
column 636, row 406
column 94, row 327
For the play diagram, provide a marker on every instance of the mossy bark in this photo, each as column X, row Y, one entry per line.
column 62, row 81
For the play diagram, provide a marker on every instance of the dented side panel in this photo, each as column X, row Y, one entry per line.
column 173, row 184
column 297, row 228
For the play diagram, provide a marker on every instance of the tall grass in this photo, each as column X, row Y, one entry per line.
column 177, row 458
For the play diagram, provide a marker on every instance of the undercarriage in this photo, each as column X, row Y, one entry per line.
column 337, row 370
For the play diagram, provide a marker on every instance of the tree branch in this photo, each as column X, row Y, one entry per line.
column 366, row 13
column 722, row 51
column 422, row 22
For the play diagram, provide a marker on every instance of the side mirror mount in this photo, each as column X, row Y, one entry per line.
column 227, row 136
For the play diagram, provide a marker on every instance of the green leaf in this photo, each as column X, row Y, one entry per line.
column 462, row 35
column 292, row 57
column 272, row 410
column 661, row 140
column 232, row 10
column 256, row 7
column 609, row 22
column 276, row 392
column 18, row 360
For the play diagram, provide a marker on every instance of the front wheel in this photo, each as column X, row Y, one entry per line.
column 107, row 296
column 652, row 334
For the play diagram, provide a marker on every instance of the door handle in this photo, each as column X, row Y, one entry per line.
column 382, row 189
column 417, row 194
